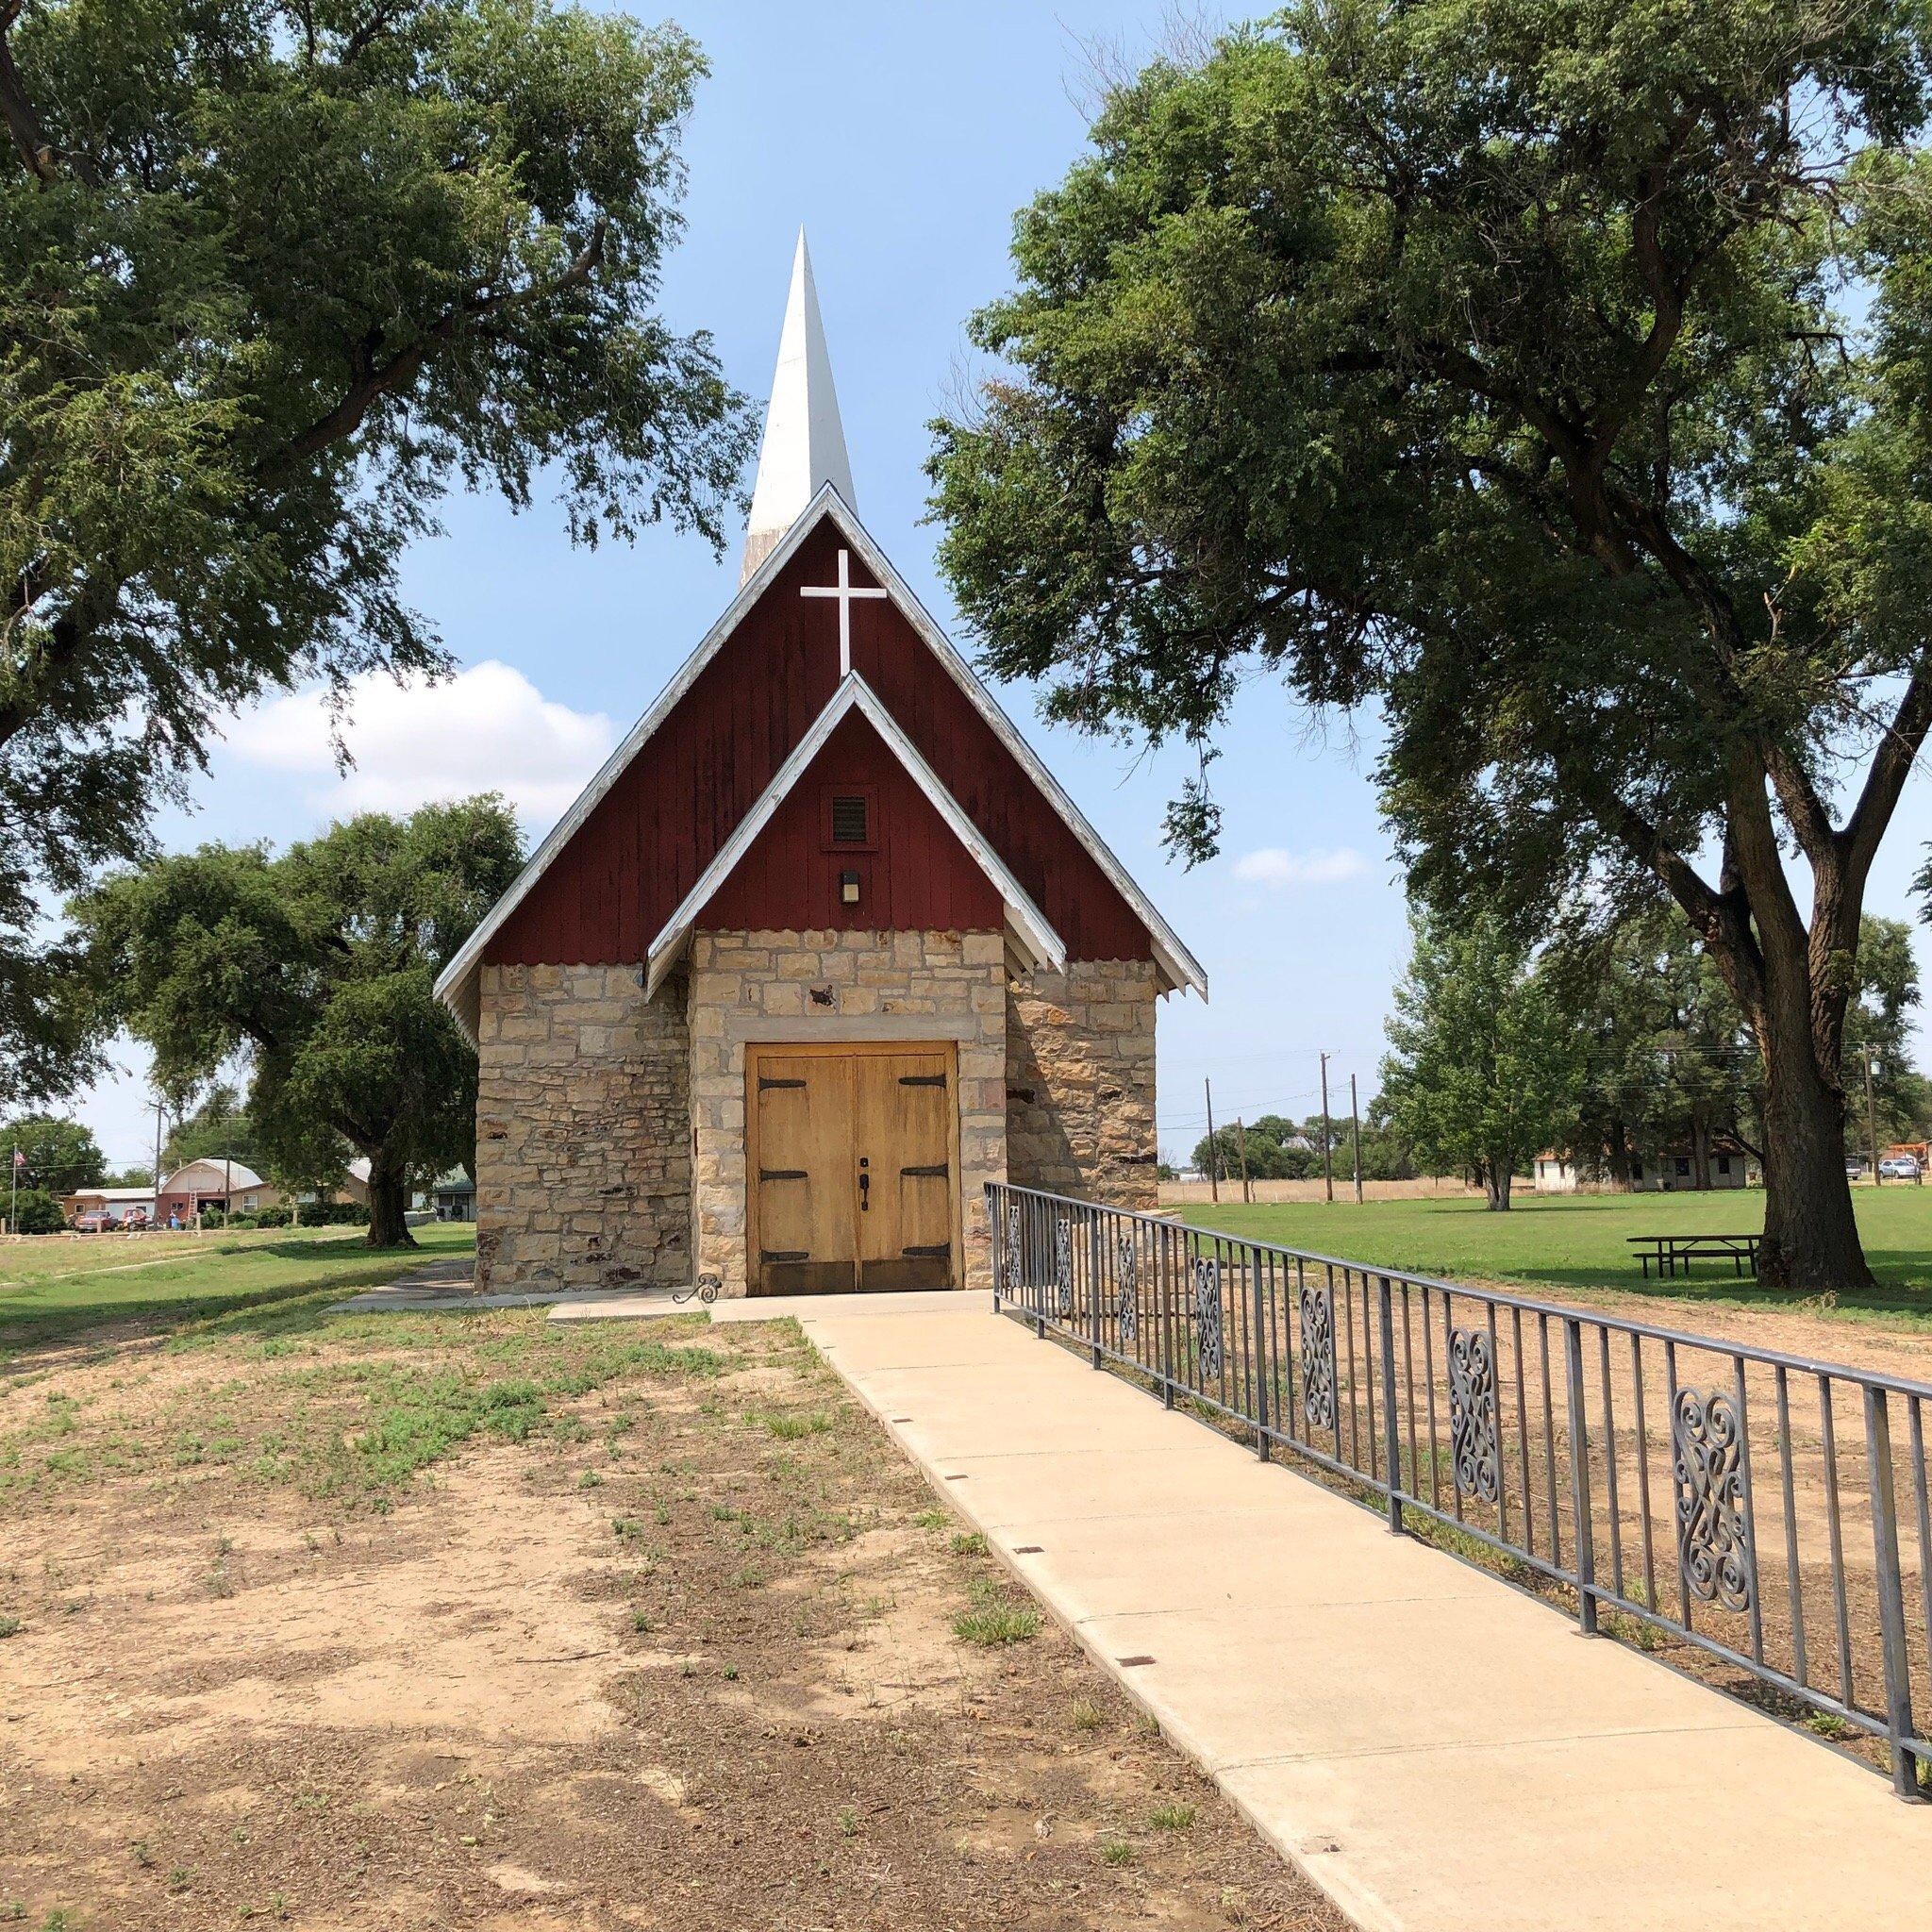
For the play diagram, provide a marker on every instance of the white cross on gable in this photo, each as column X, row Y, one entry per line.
column 845, row 590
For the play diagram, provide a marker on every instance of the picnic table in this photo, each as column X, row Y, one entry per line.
column 1674, row 1253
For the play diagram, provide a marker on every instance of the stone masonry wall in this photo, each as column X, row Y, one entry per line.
column 1080, row 1082
column 583, row 1129
column 855, row 986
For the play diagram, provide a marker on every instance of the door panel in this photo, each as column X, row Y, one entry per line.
column 905, row 1112
column 852, row 1181
column 801, row 1135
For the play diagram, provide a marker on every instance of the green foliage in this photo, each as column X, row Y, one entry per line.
column 995, row 1618
column 271, row 280
column 1879, row 1025
column 219, row 1129
column 36, row 1212
column 1554, row 375
column 1484, row 1065
column 62, row 1155
column 1669, row 1059
column 1281, row 1149
column 317, row 968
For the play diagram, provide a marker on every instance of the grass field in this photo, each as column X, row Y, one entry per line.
column 51, row 1289
column 1572, row 1244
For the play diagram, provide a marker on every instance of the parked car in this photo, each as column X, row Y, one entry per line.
column 1855, row 1169
column 1899, row 1167
column 98, row 1221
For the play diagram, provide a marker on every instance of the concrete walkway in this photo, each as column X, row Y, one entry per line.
column 1435, row 1749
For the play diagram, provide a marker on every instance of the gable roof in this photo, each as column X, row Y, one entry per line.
column 458, row 984
column 1035, row 940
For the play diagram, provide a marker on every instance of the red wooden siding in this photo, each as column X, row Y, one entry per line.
column 608, row 894
column 919, row 876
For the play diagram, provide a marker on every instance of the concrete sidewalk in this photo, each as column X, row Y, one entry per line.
column 1435, row 1749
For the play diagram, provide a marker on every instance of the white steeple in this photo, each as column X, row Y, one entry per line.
column 804, row 446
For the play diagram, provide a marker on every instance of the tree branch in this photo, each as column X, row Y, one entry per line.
column 1892, row 764
column 41, row 158
column 376, row 380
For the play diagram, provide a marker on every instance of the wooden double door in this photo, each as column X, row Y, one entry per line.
column 853, row 1168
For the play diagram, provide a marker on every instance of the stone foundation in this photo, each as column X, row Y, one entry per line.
column 1080, row 1082
column 583, row 1134
column 798, row 987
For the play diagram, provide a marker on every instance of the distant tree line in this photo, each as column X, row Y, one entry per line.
column 1614, row 1045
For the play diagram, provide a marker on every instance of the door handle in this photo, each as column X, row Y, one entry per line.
column 864, row 1188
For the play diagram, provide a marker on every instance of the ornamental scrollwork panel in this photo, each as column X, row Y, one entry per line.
column 1473, row 1445
column 1063, row 1264
column 1208, row 1335
column 1128, row 1279
column 1318, row 1355
column 1713, row 1549
column 1013, row 1270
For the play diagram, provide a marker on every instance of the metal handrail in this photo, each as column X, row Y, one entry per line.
column 1325, row 1358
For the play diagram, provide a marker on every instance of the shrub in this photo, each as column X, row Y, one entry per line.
column 38, row 1212
column 273, row 1217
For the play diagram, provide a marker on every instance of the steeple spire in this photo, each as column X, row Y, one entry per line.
column 804, row 445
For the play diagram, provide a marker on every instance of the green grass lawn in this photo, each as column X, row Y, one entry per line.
column 1572, row 1242
column 51, row 1289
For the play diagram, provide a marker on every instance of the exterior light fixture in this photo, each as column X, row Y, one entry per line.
column 848, row 889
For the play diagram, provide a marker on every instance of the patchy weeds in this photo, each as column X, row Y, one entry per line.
column 465, row 1619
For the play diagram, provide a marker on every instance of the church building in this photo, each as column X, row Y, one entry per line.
column 820, row 952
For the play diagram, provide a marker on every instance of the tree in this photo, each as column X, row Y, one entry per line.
column 317, row 968
column 271, row 279
column 1669, row 1059
column 219, row 1127
column 1878, row 1033
column 62, row 1155
column 1484, row 1065
column 1275, row 1150
column 37, row 1212
column 1555, row 374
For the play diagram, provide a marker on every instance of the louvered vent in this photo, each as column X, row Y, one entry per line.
column 849, row 826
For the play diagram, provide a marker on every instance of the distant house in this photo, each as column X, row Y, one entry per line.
column 451, row 1196
column 116, row 1203
column 1673, row 1171
column 211, row 1183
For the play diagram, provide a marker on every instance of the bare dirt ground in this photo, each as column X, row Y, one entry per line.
column 462, row 1620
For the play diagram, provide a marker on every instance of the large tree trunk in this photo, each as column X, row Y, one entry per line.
column 1496, row 1179
column 388, row 1202
column 1810, row 1236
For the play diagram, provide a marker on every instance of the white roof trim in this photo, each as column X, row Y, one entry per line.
column 454, row 985
column 1036, row 940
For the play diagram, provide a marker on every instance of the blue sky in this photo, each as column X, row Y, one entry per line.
column 904, row 138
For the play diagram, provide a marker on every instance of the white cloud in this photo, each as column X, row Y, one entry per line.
column 1272, row 865
column 486, row 730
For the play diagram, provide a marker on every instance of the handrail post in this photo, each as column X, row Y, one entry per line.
column 1258, row 1348
column 1891, row 1601
column 995, row 1222
column 1094, row 1248
column 1392, row 1433
column 1582, row 1525
column 1164, row 1302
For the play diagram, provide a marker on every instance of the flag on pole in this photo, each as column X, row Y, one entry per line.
column 19, row 1159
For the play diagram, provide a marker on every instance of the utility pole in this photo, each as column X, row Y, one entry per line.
column 1354, row 1115
column 1241, row 1148
column 14, row 1212
column 1214, row 1151
column 161, row 1110
column 1327, row 1153
column 1872, row 1124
